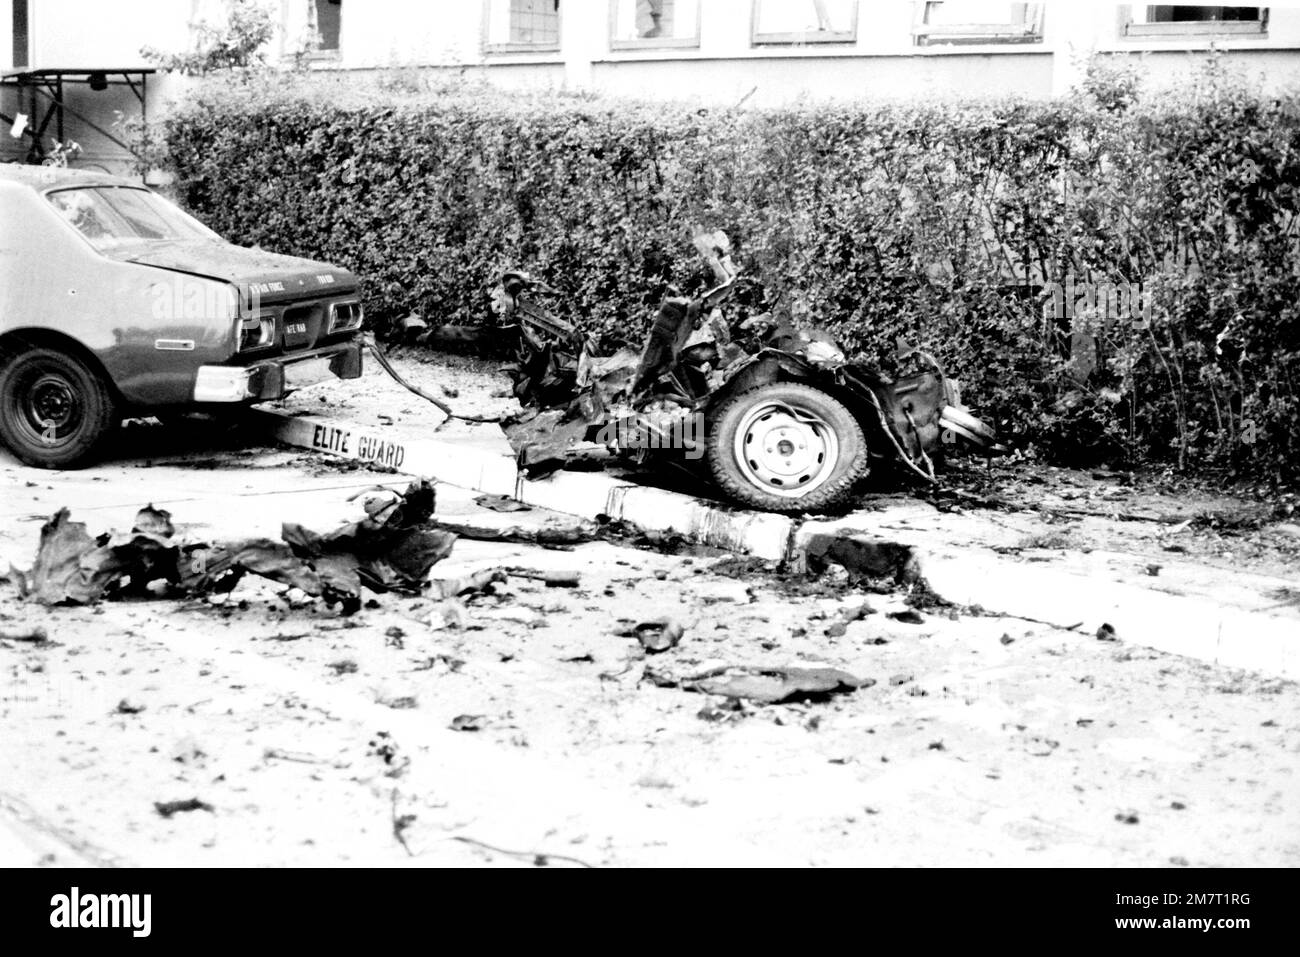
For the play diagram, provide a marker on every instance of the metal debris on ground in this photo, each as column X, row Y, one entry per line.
column 655, row 636
column 501, row 503
column 468, row 722
column 550, row 533
column 764, row 684
column 391, row 549
column 168, row 808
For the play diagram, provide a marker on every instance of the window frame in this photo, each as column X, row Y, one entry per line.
column 508, row 47
column 653, row 43
column 804, row 38
column 1189, row 29
column 926, row 34
column 325, row 53
column 307, row 9
column 25, row 51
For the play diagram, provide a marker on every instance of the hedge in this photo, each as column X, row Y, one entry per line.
column 939, row 224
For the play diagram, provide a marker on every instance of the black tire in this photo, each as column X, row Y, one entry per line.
column 55, row 409
column 814, row 476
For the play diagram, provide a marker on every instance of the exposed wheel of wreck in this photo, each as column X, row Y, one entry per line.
column 786, row 447
column 54, row 407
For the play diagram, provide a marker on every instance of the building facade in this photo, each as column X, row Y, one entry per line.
column 761, row 52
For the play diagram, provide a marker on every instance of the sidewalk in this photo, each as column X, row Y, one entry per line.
column 1190, row 610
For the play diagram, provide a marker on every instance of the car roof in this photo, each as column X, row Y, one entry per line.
column 42, row 178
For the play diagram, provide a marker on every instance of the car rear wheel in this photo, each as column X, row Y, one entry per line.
column 54, row 408
column 786, row 447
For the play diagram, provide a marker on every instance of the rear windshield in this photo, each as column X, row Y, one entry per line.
column 113, row 216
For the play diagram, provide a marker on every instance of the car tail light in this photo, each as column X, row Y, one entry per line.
column 256, row 332
column 345, row 316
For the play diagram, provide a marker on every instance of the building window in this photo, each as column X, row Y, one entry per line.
column 523, row 25
column 311, row 29
column 1151, row 20
column 654, row 23
column 805, row 21
column 326, row 24
column 977, row 21
column 20, row 33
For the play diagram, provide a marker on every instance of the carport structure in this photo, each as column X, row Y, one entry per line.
column 41, row 95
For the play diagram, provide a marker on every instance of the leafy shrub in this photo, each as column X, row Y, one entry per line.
column 941, row 225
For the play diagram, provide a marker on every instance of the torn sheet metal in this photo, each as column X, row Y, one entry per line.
column 391, row 549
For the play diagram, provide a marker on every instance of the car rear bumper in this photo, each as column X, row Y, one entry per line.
column 274, row 378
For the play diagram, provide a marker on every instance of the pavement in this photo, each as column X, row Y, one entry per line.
column 1207, row 613
column 985, row 739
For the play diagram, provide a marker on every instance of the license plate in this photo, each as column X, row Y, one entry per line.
column 296, row 333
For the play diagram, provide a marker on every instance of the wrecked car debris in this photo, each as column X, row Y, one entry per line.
column 501, row 503
column 780, row 416
column 480, row 581
column 168, row 808
column 655, row 636
column 764, row 685
column 554, row 578
column 36, row 635
column 549, row 533
column 391, row 549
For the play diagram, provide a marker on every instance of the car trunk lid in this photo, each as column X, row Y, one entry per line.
column 262, row 278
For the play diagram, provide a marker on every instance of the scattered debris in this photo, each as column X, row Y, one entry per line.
column 390, row 549
column 168, row 808
column 551, row 533
column 127, row 706
column 655, row 636
column 502, row 503
column 299, row 757
column 1107, row 632
column 468, row 722
column 551, row 579
column 36, row 635
column 383, row 746
column 765, row 685
column 538, row 858
column 400, row 823
column 474, row 583
column 862, row 555
column 908, row 617
column 1127, row 817
column 345, row 667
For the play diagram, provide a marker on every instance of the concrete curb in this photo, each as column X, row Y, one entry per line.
column 586, row 494
column 1192, row 627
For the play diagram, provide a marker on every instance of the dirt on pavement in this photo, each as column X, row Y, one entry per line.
column 530, row 725
column 519, row 728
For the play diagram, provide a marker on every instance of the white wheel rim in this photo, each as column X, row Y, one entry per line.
column 785, row 450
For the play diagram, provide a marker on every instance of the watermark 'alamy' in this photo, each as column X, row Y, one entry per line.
column 656, row 430
column 102, row 910
column 1129, row 301
column 190, row 299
